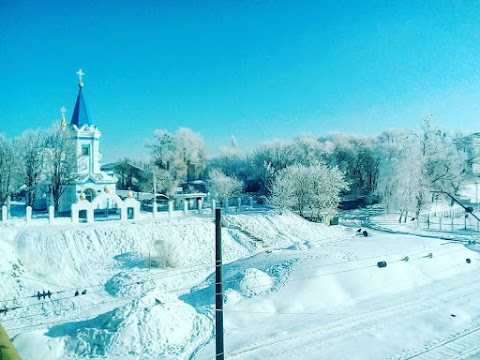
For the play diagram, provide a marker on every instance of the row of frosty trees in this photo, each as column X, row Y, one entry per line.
column 311, row 174
column 308, row 174
column 36, row 162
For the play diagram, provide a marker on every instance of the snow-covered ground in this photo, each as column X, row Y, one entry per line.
column 293, row 289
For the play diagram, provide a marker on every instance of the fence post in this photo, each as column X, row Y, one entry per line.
column 440, row 223
column 4, row 213
column 90, row 215
column 452, row 220
column 74, row 213
column 29, row 214
column 51, row 214
column 428, row 221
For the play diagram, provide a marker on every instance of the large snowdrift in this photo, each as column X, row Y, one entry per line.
column 280, row 274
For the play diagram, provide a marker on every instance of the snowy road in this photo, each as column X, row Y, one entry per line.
column 425, row 320
column 389, row 320
column 381, row 329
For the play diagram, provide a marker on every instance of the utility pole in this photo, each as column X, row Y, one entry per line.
column 154, row 205
column 218, row 287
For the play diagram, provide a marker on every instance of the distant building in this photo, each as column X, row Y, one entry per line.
column 129, row 175
column 91, row 180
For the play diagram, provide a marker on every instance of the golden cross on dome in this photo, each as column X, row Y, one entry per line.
column 63, row 110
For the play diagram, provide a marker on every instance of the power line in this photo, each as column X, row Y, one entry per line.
column 236, row 280
column 131, row 283
column 190, row 297
column 162, row 276
column 96, row 305
column 196, row 266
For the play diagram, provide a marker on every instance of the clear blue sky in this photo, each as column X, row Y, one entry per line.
column 254, row 69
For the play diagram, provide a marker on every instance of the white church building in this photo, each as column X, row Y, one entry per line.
column 91, row 181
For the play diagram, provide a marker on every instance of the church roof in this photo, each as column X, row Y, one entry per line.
column 80, row 115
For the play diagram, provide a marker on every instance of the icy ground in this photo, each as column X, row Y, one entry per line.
column 293, row 290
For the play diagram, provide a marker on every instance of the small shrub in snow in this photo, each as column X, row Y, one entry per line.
column 165, row 256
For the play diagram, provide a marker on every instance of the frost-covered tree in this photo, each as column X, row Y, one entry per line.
column 60, row 161
column 400, row 170
column 233, row 163
column 355, row 157
column 8, row 161
column 271, row 158
column 230, row 160
column 222, row 186
column 308, row 150
column 308, row 189
column 444, row 163
column 412, row 164
column 190, row 150
column 30, row 149
column 468, row 150
column 129, row 175
column 174, row 155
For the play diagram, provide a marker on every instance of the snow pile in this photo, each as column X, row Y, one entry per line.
column 255, row 282
column 82, row 255
column 128, row 285
column 273, row 229
column 286, row 281
column 158, row 325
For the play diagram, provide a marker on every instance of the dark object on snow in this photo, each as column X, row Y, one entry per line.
column 453, row 315
column 469, row 261
column 157, row 302
column 406, row 258
column 412, row 219
column 365, row 233
column 77, row 293
column 430, row 255
column 469, row 209
column 44, row 294
column 382, row 264
column 84, row 292
column 359, row 230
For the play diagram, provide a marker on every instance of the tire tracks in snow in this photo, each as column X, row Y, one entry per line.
column 459, row 346
column 351, row 324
